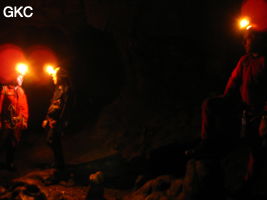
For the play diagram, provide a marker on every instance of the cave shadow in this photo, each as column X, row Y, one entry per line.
column 121, row 173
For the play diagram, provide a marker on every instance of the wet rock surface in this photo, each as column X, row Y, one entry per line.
column 203, row 179
column 34, row 186
column 163, row 187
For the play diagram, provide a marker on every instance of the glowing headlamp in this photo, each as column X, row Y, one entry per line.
column 22, row 68
column 245, row 24
column 52, row 71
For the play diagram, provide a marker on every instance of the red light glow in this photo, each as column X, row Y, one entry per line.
column 256, row 10
column 10, row 56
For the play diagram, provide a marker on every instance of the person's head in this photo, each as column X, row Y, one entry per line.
column 20, row 80
column 255, row 41
column 62, row 76
column 57, row 74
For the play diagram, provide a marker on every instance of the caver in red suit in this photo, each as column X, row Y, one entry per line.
column 13, row 118
column 239, row 116
column 236, row 121
column 241, row 110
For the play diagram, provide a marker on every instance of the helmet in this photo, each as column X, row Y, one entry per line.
column 254, row 25
column 255, row 14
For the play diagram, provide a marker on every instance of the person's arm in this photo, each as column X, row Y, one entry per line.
column 234, row 82
column 52, row 112
column 23, row 107
column 66, row 105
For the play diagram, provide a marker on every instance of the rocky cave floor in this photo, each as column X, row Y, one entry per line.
column 33, row 179
column 122, row 180
column 32, row 158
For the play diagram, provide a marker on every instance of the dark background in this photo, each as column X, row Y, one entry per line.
column 140, row 69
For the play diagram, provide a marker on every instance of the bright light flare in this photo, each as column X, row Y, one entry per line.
column 22, row 68
column 244, row 23
column 52, row 71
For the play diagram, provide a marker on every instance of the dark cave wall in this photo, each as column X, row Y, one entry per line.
column 157, row 102
column 174, row 56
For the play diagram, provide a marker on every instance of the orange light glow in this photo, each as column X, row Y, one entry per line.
column 249, row 27
column 10, row 56
column 22, row 68
column 244, row 23
column 52, row 71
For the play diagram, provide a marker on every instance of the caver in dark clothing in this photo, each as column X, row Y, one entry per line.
column 57, row 119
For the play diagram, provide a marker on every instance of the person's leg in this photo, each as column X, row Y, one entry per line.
column 58, row 153
column 220, row 126
column 3, row 145
column 257, row 160
column 13, row 139
column 54, row 141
